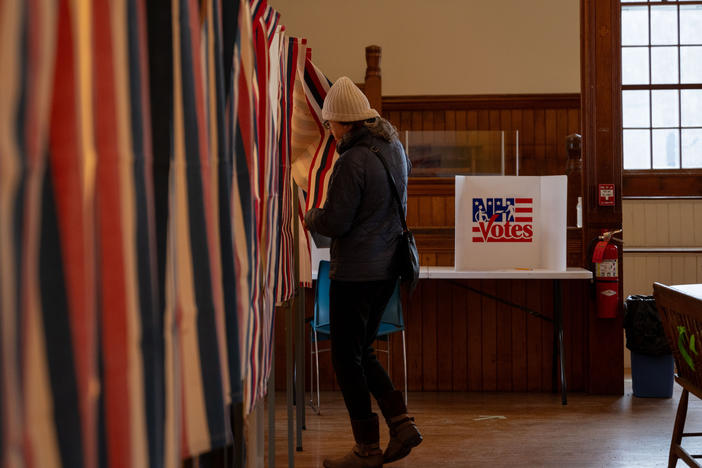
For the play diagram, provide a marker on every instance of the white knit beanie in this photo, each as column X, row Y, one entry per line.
column 346, row 103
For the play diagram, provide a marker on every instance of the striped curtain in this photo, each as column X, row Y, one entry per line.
column 145, row 224
column 131, row 330
column 313, row 149
column 267, row 94
column 286, row 267
column 29, row 428
column 243, row 157
column 194, row 303
column 316, row 86
column 67, row 246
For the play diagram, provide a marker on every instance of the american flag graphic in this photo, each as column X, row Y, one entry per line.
column 523, row 210
column 502, row 219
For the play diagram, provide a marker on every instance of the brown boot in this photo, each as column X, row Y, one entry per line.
column 366, row 453
column 404, row 435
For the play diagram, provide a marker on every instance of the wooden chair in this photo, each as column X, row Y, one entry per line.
column 681, row 315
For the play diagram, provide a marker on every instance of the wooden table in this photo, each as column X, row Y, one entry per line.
column 694, row 290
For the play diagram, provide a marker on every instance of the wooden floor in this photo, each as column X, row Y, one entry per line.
column 509, row 429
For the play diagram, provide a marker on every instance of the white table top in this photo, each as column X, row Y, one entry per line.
column 694, row 290
column 449, row 272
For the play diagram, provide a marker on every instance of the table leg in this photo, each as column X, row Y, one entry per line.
column 558, row 337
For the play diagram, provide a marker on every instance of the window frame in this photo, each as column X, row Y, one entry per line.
column 659, row 182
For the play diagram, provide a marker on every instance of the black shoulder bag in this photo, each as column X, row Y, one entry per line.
column 406, row 256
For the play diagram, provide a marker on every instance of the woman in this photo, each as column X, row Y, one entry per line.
column 362, row 218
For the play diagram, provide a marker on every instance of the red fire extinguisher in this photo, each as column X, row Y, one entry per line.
column 605, row 258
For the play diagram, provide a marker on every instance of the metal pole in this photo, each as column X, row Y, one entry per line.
column 271, row 411
column 558, row 328
column 255, row 437
column 300, row 365
column 289, row 379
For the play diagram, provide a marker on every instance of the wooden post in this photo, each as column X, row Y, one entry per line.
column 373, row 85
column 602, row 164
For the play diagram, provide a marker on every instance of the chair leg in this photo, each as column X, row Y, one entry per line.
column 388, row 356
column 311, row 402
column 678, row 428
column 404, row 363
column 316, row 357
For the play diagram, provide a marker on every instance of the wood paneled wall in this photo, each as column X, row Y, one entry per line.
column 542, row 120
column 458, row 340
column 675, row 222
column 542, row 123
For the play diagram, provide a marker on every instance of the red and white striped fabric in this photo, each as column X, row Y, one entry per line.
column 286, row 264
column 130, row 331
column 28, row 432
column 196, row 400
column 244, row 192
column 313, row 147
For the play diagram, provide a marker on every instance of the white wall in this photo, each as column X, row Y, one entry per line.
column 660, row 224
column 445, row 46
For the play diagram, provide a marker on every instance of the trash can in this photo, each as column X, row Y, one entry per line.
column 652, row 365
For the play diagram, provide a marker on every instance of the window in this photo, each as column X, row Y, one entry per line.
column 661, row 53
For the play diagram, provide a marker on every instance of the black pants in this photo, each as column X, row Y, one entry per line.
column 355, row 311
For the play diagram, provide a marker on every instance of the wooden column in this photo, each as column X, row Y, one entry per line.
column 373, row 85
column 602, row 164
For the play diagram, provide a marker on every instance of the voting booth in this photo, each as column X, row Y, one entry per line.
column 507, row 222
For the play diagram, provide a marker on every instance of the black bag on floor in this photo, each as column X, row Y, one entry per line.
column 644, row 329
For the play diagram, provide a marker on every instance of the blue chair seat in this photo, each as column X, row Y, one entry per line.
column 391, row 322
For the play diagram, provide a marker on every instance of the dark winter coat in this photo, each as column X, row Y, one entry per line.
column 360, row 213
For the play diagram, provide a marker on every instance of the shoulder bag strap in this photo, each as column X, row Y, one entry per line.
column 394, row 186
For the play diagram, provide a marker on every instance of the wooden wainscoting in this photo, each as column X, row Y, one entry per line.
column 458, row 340
column 543, row 122
column 431, row 216
column 663, row 242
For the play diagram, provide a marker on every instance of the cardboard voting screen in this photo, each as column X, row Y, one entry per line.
column 505, row 222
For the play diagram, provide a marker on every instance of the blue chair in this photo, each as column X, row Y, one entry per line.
column 391, row 322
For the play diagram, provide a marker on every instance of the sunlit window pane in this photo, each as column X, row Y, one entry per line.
column 691, row 107
column 637, row 149
column 664, row 108
column 664, row 24
column 664, row 65
column 692, row 148
column 635, row 109
column 691, row 64
column 691, row 24
column 635, row 65
column 661, row 47
column 635, row 25
column 666, row 149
